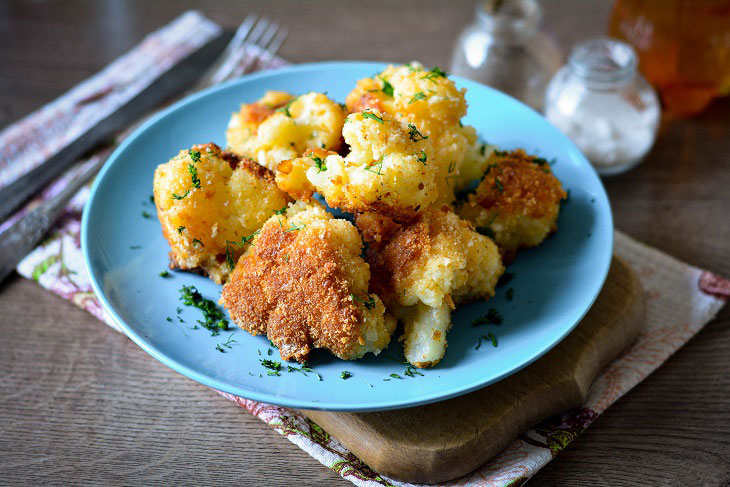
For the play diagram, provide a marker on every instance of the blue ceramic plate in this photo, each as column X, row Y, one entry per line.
column 553, row 285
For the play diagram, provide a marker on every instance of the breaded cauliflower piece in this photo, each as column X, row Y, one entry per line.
column 427, row 267
column 291, row 174
column 517, row 202
column 303, row 283
column 387, row 170
column 431, row 102
column 280, row 126
column 205, row 198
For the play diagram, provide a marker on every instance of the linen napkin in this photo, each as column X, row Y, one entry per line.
column 681, row 298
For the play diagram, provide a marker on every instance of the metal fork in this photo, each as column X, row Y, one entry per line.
column 254, row 44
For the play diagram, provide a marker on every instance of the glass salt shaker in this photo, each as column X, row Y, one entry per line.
column 505, row 49
column 604, row 106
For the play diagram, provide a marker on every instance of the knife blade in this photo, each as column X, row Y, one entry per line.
column 172, row 82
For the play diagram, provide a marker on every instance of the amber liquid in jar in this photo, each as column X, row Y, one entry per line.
column 683, row 48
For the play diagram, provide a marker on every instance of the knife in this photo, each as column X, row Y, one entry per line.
column 180, row 76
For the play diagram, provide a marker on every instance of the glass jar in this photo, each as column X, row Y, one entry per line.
column 504, row 49
column 683, row 47
column 606, row 108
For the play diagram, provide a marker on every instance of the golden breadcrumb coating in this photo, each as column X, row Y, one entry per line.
column 303, row 283
column 517, row 202
column 437, row 260
column 206, row 197
column 430, row 101
column 280, row 126
column 388, row 169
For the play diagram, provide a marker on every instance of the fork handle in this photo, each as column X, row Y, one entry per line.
column 20, row 238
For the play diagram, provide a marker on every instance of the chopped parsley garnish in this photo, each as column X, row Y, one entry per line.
column 369, row 114
column 164, row 274
column 146, row 215
column 295, row 226
column 540, row 161
column 244, row 240
column 281, row 210
column 510, row 294
column 194, row 155
column 197, row 243
column 418, row 96
column 378, row 164
column 421, row 156
column 168, row 319
column 396, row 376
column 215, row 320
column 486, row 171
column 498, row 185
column 483, row 149
column 369, row 304
column 304, row 369
column 152, row 199
column 411, row 372
column 500, row 153
column 273, row 366
column 180, row 229
column 227, row 344
column 435, row 72
column 194, row 175
column 493, row 317
column 345, row 375
column 285, row 108
column 414, row 134
column 490, row 338
column 318, row 163
column 180, row 196
column 387, row 87
column 135, row 247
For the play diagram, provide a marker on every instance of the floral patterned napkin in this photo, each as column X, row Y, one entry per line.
column 681, row 298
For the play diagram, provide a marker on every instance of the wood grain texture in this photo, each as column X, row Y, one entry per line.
column 449, row 439
column 79, row 403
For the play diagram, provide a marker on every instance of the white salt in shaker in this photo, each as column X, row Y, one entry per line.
column 606, row 108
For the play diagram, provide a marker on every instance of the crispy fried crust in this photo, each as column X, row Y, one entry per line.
column 376, row 229
column 291, row 287
column 519, row 184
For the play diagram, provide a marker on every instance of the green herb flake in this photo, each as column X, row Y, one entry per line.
column 168, row 319
column 369, row 114
column 135, row 247
column 345, row 375
column 194, row 175
column 194, row 155
column 510, row 294
column 152, row 199
column 418, row 96
column 493, row 317
column 435, row 73
column 281, row 211
column 540, row 161
column 421, row 156
column 378, row 164
column 498, row 185
column 294, row 227
column 164, row 274
column 369, row 304
column 414, row 134
column 214, row 318
column 285, row 108
column 180, row 230
column 273, row 366
column 492, row 338
column 387, row 87
column 146, row 215
column 396, row 376
column 180, row 196
column 486, row 231
column 197, row 243
column 318, row 163
column 483, row 149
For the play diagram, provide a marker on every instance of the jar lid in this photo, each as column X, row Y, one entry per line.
column 603, row 60
column 518, row 18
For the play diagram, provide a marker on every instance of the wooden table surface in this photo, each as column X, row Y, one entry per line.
column 81, row 403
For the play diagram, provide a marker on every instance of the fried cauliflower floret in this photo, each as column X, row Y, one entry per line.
column 291, row 174
column 206, row 197
column 303, row 283
column 434, row 262
column 280, row 127
column 431, row 102
column 386, row 171
column 517, row 202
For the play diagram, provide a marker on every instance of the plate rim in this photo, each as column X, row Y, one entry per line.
column 269, row 398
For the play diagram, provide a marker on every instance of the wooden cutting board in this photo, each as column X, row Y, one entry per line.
column 446, row 440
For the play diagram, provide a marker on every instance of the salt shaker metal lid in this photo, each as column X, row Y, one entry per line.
column 604, row 105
